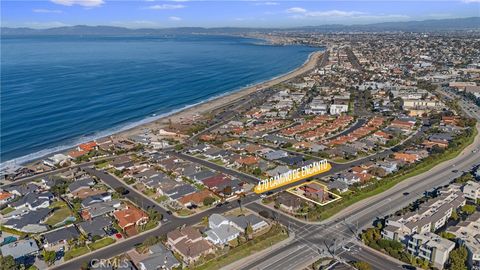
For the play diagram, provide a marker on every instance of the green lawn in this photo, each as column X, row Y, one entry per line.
column 184, row 212
column 6, row 210
column 275, row 235
column 218, row 161
column 101, row 243
column 72, row 253
column 102, row 165
column 149, row 192
column 58, row 204
column 58, row 216
column 161, row 198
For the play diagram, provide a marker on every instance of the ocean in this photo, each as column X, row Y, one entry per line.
column 58, row 91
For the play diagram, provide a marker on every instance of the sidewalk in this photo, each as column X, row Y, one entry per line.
column 243, row 262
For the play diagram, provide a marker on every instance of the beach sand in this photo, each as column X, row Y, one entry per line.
column 206, row 107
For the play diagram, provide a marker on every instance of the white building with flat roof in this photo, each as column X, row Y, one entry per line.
column 468, row 234
column 471, row 190
column 431, row 247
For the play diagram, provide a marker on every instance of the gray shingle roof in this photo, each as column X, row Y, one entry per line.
column 95, row 226
column 161, row 258
column 20, row 248
column 66, row 233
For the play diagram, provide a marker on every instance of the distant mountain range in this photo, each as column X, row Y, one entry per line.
column 472, row 23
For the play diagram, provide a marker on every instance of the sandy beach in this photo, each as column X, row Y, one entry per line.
column 213, row 104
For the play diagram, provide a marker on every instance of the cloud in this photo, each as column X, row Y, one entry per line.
column 84, row 3
column 174, row 18
column 42, row 10
column 296, row 10
column 266, row 4
column 165, row 7
column 333, row 13
column 329, row 13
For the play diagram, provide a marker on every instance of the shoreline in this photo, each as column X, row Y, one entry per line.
column 226, row 98
column 158, row 122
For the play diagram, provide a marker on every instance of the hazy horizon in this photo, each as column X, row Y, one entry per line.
column 211, row 14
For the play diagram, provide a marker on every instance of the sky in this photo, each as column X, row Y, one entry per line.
column 234, row 13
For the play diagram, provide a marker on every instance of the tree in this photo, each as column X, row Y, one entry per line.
column 362, row 265
column 8, row 263
column 447, row 235
column 454, row 215
column 49, row 256
column 208, row 201
column 121, row 190
column 468, row 209
column 249, row 231
column 458, row 259
column 257, row 171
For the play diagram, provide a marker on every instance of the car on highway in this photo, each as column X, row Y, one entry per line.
column 169, row 212
column 406, row 193
column 346, row 248
column 455, row 171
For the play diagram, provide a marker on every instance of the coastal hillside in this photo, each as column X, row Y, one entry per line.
column 471, row 23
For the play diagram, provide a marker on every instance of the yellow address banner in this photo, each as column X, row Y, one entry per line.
column 292, row 176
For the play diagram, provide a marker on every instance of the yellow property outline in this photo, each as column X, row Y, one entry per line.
column 259, row 190
column 337, row 197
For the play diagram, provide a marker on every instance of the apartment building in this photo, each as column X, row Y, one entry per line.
column 471, row 190
column 429, row 217
column 431, row 247
column 468, row 233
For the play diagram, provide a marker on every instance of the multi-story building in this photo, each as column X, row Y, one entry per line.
column 431, row 247
column 339, row 106
column 468, row 233
column 471, row 190
column 429, row 217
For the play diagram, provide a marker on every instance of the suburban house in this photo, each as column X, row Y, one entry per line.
column 129, row 218
column 33, row 201
column 31, row 222
column 97, row 198
column 100, row 209
column 85, row 183
column 60, row 236
column 221, row 230
column 96, row 226
column 315, row 192
column 159, row 257
column 241, row 222
column 20, row 249
column 289, row 202
column 189, row 243
column 5, row 197
column 195, row 198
